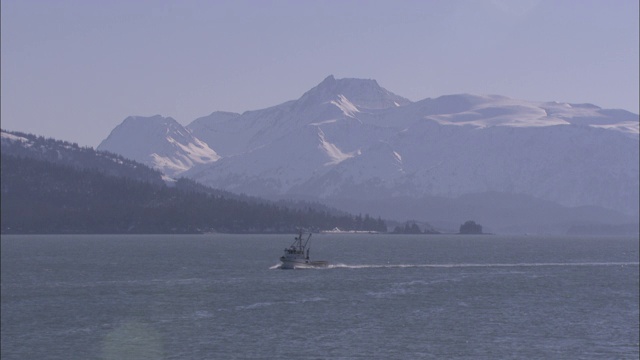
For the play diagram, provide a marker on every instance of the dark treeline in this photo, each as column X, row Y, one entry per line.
column 71, row 154
column 470, row 227
column 411, row 227
column 39, row 196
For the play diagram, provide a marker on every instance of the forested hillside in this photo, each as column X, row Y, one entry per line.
column 51, row 186
column 43, row 197
column 70, row 154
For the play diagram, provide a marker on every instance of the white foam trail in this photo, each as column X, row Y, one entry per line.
column 392, row 266
column 254, row 306
column 272, row 303
column 383, row 266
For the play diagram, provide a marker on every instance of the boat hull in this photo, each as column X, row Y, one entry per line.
column 303, row 264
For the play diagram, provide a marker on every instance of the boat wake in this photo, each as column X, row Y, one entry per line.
column 514, row 265
column 391, row 266
column 264, row 304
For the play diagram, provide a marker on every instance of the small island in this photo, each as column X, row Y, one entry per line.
column 470, row 227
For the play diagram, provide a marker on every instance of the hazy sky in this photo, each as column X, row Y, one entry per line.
column 73, row 70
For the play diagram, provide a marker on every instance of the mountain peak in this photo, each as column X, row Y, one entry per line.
column 168, row 146
column 148, row 122
column 348, row 84
column 364, row 93
column 328, row 80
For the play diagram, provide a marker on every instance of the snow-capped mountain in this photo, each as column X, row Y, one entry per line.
column 350, row 140
column 159, row 142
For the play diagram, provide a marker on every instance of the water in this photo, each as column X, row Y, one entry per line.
column 385, row 297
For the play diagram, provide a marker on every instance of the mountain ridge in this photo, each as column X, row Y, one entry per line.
column 352, row 138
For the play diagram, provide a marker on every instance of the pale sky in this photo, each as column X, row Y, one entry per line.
column 73, row 70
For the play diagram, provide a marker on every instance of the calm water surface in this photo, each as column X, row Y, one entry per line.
column 386, row 297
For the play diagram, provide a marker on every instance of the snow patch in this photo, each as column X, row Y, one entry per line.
column 197, row 151
column 501, row 112
column 323, row 122
column 625, row 127
column 335, row 154
column 12, row 137
column 167, row 163
column 346, row 106
column 169, row 180
column 484, row 123
column 397, row 156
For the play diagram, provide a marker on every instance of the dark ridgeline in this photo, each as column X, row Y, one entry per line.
column 70, row 154
column 51, row 186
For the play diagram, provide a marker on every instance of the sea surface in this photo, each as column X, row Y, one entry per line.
column 384, row 297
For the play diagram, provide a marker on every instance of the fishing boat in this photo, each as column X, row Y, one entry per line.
column 296, row 256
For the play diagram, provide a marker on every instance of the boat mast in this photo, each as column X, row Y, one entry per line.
column 306, row 242
column 305, row 245
column 300, row 241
